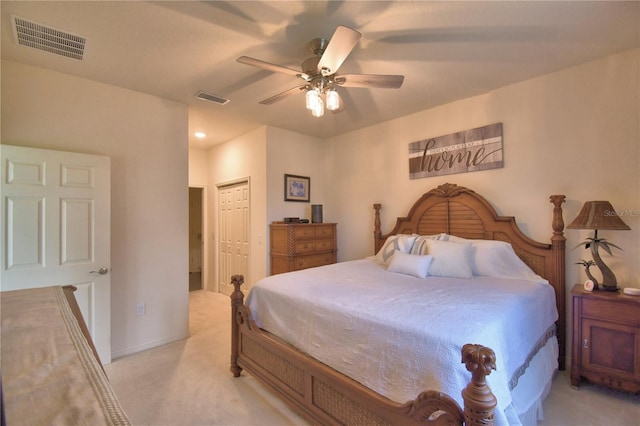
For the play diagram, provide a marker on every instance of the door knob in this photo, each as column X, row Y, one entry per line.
column 102, row 271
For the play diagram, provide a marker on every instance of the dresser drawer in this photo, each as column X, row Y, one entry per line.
column 324, row 232
column 305, row 247
column 324, row 245
column 313, row 260
column 303, row 232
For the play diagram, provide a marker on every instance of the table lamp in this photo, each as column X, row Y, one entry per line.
column 599, row 215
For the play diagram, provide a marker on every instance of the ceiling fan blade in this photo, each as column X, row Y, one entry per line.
column 342, row 42
column 370, row 80
column 269, row 66
column 280, row 96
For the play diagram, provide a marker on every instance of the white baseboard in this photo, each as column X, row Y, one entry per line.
column 145, row 346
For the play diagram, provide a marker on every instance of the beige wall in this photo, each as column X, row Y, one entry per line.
column 294, row 154
column 198, row 168
column 146, row 138
column 573, row 132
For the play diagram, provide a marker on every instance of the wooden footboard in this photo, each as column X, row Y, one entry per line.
column 325, row 396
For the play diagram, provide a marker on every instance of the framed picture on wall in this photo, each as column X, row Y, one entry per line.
column 297, row 188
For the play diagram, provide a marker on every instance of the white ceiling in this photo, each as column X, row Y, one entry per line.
column 446, row 50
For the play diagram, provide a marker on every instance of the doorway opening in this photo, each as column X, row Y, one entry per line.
column 195, row 239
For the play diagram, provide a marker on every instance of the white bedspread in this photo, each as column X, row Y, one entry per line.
column 400, row 335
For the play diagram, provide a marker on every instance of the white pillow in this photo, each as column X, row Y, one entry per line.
column 497, row 259
column 400, row 242
column 492, row 258
column 455, row 239
column 450, row 259
column 420, row 245
column 410, row 264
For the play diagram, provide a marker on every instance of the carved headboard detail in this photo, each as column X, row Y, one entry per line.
column 459, row 211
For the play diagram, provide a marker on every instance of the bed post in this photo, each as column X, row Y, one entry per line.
column 377, row 233
column 558, row 252
column 237, row 300
column 479, row 401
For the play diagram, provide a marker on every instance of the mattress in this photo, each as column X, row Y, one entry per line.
column 400, row 335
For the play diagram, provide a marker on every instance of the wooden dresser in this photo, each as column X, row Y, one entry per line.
column 606, row 339
column 296, row 246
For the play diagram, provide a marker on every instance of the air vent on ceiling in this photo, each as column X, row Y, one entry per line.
column 52, row 40
column 212, row 98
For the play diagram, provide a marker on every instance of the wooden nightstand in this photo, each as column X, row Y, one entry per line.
column 606, row 339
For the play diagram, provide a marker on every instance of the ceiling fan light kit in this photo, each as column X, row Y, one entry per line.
column 319, row 73
column 317, row 97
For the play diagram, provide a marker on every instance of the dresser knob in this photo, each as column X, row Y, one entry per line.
column 585, row 344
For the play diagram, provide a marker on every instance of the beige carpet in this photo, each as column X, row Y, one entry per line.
column 189, row 383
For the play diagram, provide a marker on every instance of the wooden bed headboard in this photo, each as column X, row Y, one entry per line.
column 459, row 211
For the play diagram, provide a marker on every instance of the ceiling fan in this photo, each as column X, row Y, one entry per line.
column 320, row 73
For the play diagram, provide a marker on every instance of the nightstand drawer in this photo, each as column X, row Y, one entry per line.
column 611, row 311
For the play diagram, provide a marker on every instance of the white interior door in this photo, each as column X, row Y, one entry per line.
column 233, row 222
column 56, row 229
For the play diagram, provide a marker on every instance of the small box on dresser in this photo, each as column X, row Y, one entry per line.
column 295, row 246
column 606, row 339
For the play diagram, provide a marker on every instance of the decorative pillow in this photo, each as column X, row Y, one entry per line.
column 450, row 259
column 420, row 245
column 400, row 242
column 497, row 259
column 410, row 264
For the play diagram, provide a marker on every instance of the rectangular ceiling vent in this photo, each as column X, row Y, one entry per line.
column 42, row 37
column 212, row 98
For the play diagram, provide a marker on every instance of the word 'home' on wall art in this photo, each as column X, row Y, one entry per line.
column 461, row 152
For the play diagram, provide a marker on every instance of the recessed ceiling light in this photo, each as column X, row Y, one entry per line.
column 200, row 135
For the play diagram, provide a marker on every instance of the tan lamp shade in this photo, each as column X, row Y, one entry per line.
column 598, row 215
